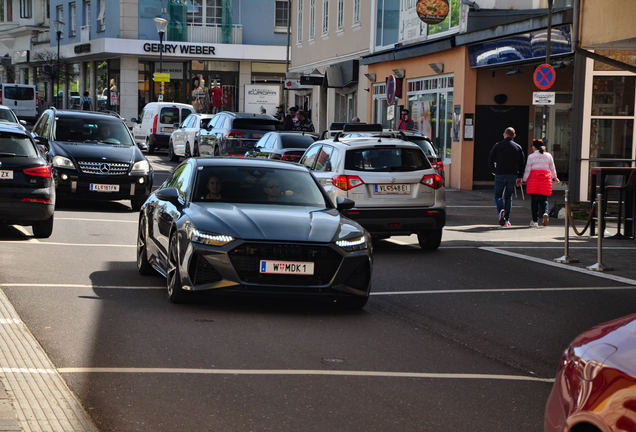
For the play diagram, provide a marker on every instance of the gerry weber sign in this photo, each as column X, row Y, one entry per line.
column 180, row 49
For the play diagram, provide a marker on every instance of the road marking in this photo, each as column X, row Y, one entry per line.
column 501, row 290
column 97, row 220
column 301, row 372
column 15, row 285
column 561, row 266
column 72, row 244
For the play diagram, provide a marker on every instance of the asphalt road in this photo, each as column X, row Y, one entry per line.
column 466, row 338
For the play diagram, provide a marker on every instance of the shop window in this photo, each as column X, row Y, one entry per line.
column 611, row 139
column 613, row 95
column 624, row 56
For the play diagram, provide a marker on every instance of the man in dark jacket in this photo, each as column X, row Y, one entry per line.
column 303, row 123
column 289, row 121
column 507, row 163
column 406, row 122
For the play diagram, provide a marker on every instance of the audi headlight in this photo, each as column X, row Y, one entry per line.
column 353, row 244
column 63, row 162
column 208, row 238
column 141, row 167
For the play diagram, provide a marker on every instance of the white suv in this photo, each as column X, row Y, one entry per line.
column 395, row 188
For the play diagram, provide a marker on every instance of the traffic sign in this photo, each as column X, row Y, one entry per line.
column 161, row 77
column 390, row 90
column 543, row 98
column 544, row 76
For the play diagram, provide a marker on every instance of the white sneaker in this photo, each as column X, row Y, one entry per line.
column 534, row 224
column 546, row 219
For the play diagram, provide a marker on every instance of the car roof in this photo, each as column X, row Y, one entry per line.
column 246, row 162
column 248, row 115
column 87, row 114
column 4, row 107
column 12, row 127
column 366, row 142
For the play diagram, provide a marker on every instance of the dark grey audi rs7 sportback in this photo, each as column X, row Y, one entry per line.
column 251, row 226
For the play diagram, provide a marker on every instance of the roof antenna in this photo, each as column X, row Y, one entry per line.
column 335, row 139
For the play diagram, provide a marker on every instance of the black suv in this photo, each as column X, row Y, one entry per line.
column 233, row 134
column 94, row 156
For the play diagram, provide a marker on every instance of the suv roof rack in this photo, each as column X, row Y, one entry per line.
column 362, row 127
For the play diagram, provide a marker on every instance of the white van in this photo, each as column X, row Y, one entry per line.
column 22, row 99
column 157, row 122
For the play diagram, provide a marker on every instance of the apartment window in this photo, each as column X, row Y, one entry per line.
column 26, row 8
column 299, row 24
column 60, row 17
column 312, row 19
column 340, row 20
column 282, row 13
column 48, row 9
column 73, row 23
column 101, row 17
column 356, row 11
column 87, row 13
column 205, row 12
column 325, row 17
column 6, row 10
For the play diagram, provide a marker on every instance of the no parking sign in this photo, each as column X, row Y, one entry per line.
column 544, row 76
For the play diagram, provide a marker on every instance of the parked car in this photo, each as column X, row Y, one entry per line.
column 252, row 226
column 183, row 141
column 414, row 136
column 22, row 99
column 7, row 116
column 287, row 146
column 27, row 191
column 394, row 186
column 233, row 134
column 336, row 127
column 94, row 156
column 595, row 386
column 153, row 128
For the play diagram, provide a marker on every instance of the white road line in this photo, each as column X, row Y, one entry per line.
column 501, row 290
column 97, row 220
column 301, row 372
column 72, row 244
column 561, row 266
column 50, row 285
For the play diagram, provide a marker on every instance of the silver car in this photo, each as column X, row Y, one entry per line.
column 395, row 188
column 183, row 140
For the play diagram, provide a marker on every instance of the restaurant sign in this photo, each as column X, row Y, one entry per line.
column 432, row 11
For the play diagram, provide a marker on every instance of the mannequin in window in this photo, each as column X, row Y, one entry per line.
column 217, row 98
column 200, row 98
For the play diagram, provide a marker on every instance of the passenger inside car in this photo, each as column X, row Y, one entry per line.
column 214, row 186
column 273, row 189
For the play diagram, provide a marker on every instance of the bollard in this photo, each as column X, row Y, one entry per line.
column 565, row 259
column 599, row 265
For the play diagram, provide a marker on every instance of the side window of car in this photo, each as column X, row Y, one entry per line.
column 171, row 182
column 269, row 143
column 215, row 121
column 309, row 158
column 323, row 160
column 38, row 129
column 183, row 182
column 141, row 116
column 47, row 127
column 185, row 113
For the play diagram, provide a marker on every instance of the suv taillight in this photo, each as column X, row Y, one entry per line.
column 439, row 166
column 289, row 157
column 235, row 134
column 0, row 97
column 432, row 180
column 41, row 171
column 345, row 182
column 154, row 124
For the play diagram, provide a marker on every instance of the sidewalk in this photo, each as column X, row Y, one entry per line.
column 35, row 398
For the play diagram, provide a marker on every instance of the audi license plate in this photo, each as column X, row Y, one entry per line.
column 287, row 267
column 396, row 189
column 104, row 188
column 6, row 175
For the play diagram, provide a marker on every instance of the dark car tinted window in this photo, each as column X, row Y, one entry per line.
column 16, row 144
column 19, row 93
column 254, row 124
column 204, row 123
column 424, row 144
column 93, row 130
column 297, row 141
column 384, row 159
column 261, row 186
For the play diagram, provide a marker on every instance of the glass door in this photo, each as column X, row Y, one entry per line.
column 557, row 136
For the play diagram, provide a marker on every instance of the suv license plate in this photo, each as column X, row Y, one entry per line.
column 396, row 189
column 104, row 188
column 6, row 175
column 287, row 267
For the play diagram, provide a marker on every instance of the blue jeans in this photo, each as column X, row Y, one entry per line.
column 507, row 182
column 538, row 206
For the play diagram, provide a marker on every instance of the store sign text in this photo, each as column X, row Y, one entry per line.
column 183, row 49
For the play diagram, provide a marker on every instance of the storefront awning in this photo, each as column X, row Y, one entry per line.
column 342, row 74
column 400, row 53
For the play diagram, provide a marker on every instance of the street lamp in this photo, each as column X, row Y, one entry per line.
column 162, row 26
column 59, row 27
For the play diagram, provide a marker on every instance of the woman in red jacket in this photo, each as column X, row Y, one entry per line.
column 538, row 176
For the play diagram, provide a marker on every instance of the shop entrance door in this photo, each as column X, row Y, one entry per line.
column 558, row 135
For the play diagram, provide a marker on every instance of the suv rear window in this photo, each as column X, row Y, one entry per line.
column 18, row 145
column 169, row 115
column 297, row 141
column 19, row 93
column 254, row 124
column 385, row 159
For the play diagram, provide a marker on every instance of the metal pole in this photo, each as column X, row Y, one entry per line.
column 548, row 51
column 289, row 5
column 599, row 265
column 161, row 63
column 566, row 257
column 57, row 75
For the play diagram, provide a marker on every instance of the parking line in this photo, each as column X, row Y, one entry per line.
column 72, row 244
column 501, row 290
column 50, row 285
column 302, row 372
column 98, row 220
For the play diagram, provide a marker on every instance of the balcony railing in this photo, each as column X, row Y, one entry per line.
column 213, row 34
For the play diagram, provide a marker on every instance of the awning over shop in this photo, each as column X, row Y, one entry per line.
column 400, row 52
column 343, row 74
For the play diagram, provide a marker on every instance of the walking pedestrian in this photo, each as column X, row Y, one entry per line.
column 288, row 123
column 87, row 102
column 303, row 123
column 506, row 162
column 538, row 176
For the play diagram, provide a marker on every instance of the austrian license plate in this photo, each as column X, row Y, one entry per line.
column 167, row 129
column 395, row 189
column 287, row 267
column 104, row 188
column 6, row 175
